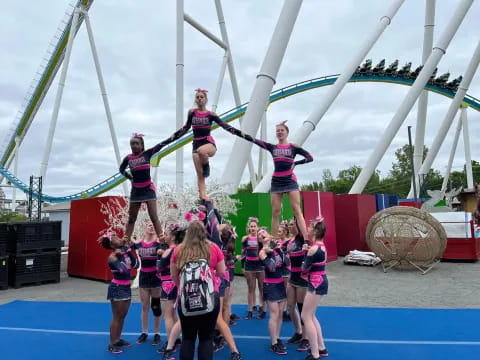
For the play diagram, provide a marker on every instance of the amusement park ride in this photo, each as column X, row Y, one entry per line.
column 252, row 113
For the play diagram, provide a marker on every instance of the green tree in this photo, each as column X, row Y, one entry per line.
column 12, row 217
column 245, row 188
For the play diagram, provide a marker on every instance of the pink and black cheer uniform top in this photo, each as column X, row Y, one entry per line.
column 296, row 256
column 121, row 266
column 143, row 188
column 169, row 289
column 250, row 252
column 147, row 253
column 201, row 124
column 274, row 287
column 283, row 178
column 286, row 268
column 313, row 269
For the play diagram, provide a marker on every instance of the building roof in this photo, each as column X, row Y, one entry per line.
column 60, row 207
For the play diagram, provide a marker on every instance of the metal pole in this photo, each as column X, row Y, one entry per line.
column 412, row 164
column 314, row 118
column 452, row 111
column 58, row 99
column 204, row 31
column 261, row 92
column 233, row 76
column 412, row 96
column 452, row 155
column 179, row 90
column 423, row 100
column 15, row 173
column 466, row 143
column 262, row 161
column 221, row 76
column 103, row 90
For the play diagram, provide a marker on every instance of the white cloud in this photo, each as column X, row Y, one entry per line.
column 136, row 44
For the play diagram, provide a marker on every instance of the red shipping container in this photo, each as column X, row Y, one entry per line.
column 86, row 257
column 352, row 213
column 314, row 203
column 463, row 248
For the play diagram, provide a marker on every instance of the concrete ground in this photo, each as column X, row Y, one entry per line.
column 448, row 285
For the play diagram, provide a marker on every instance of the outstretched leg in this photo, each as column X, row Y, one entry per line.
column 152, row 213
column 294, row 197
column 276, row 199
column 132, row 217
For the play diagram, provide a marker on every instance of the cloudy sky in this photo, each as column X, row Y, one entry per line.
column 136, row 44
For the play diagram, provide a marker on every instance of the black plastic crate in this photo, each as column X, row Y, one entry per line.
column 51, row 230
column 34, row 269
column 3, row 272
column 34, row 247
column 25, row 232
column 3, row 238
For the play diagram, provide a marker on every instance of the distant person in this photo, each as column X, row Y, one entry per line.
column 143, row 189
column 313, row 269
column 196, row 266
column 476, row 214
column 121, row 261
column 149, row 283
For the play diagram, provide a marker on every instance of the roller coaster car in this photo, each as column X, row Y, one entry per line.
column 442, row 79
column 453, row 85
column 392, row 68
column 367, row 66
column 432, row 77
column 405, row 70
column 415, row 73
column 379, row 67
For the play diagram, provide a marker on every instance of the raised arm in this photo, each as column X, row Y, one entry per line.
column 175, row 136
column 235, row 131
column 307, row 156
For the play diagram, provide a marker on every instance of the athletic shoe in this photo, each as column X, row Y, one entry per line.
column 278, row 350
column 256, row 308
column 218, row 345
column 249, row 315
column 206, row 169
column 142, row 338
column 304, row 345
column 169, row 355
column 295, row 339
column 232, row 323
column 281, row 344
column 114, row 349
column 235, row 356
column 286, row 316
column 310, row 357
column 156, row 340
column 123, row 343
column 323, row 353
column 262, row 315
column 234, row 317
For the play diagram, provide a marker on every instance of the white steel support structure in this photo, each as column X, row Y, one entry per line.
column 466, row 143
column 58, row 98
column 423, row 100
column 103, row 91
column 451, row 112
column 179, row 68
column 261, row 92
column 233, row 76
column 262, row 156
column 314, row 118
column 221, row 76
column 452, row 155
column 412, row 95
column 15, row 173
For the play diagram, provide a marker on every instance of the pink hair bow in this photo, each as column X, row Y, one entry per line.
column 201, row 90
column 194, row 216
column 317, row 220
column 137, row 135
column 254, row 219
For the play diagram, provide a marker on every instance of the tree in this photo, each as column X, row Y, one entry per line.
column 245, row 188
column 12, row 217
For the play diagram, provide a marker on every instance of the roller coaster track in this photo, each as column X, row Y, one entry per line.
column 235, row 113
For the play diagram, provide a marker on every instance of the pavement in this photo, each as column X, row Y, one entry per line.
column 447, row 285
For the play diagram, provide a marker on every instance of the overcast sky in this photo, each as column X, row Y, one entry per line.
column 136, row 45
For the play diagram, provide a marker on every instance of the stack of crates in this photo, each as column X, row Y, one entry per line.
column 35, row 252
column 3, row 256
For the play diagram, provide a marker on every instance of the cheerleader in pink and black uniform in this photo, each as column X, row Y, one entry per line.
column 121, row 261
column 143, row 189
column 313, row 269
column 284, row 180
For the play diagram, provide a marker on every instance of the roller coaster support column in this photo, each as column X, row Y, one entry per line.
column 466, row 143
column 262, row 156
column 452, row 155
column 103, row 90
column 412, row 96
column 315, row 117
column 58, row 99
column 233, row 76
column 15, row 172
column 451, row 112
column 179, row 90
column 423, row 100
column 261, row 92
